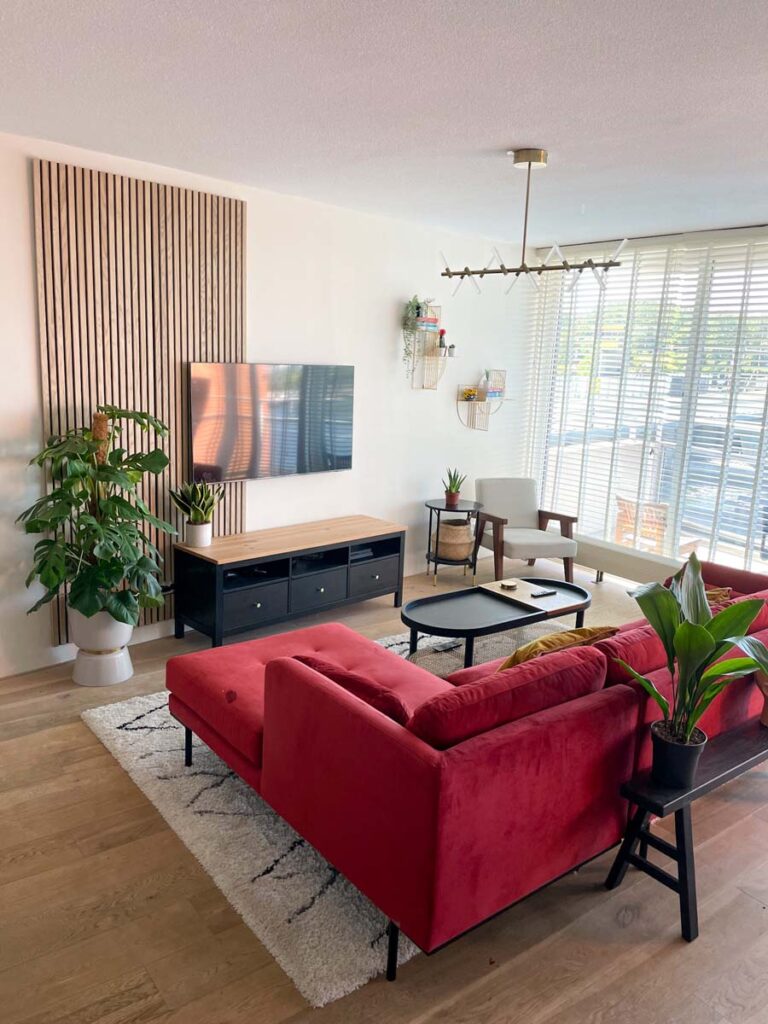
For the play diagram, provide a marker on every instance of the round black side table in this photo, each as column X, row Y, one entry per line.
column 438, row 506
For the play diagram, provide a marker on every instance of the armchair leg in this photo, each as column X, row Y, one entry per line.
column 568, row 568
column 498, row 552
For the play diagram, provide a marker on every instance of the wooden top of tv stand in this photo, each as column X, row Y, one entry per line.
column 282, row 540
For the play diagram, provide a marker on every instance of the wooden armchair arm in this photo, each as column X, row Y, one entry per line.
column 497, row 524
column 486, row 517
column 566, row 521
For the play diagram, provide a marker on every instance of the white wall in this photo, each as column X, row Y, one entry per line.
column 323, row 285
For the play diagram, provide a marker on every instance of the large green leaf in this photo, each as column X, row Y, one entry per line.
column 703, row 703
column 753, row 648
column 662, row 610
column 123, row 606
column 648, row 686
column 693, row 647
column 144, row 419
column 734, row 620
column 154, row 461
column 731, row 667
column 50, row 562
column 693, row 594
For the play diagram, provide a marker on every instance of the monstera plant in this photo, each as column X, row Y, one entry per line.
column 705, row 653
column 93, row 525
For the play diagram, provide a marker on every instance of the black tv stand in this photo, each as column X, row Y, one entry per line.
column 248, row 580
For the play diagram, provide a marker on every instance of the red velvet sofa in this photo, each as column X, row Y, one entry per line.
column 489, row 785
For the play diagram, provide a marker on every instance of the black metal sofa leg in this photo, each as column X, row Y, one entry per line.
column 393, row 936
column 187, row 747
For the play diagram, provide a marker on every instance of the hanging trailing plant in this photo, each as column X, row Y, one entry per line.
column 412, row 311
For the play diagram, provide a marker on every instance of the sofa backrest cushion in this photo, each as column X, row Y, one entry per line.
column 373, row 693
column 760, row 622
column 641, row 648
column 502, row 697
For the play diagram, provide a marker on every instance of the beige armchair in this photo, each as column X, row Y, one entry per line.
column 512, row 525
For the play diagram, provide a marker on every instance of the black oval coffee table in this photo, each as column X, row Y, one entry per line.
column 480, row 611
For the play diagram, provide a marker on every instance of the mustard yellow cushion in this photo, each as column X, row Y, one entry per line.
column 717, row 595
column 558, row 642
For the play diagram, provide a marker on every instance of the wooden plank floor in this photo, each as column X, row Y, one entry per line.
column 106, row 918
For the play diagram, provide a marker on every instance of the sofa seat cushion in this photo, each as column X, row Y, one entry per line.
column 225, row 685
column 641, row 648
column 504, row 697
column 524, row 543
column 363, row 687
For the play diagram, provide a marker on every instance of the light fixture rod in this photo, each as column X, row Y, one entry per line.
column 525, row 269
column 525, row 215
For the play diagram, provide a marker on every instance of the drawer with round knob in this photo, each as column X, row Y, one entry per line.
column 318, row 589
column 251, row 606
column 379, row 575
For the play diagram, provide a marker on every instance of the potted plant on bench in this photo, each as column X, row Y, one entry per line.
column 696, row 643
column 198, row 503
column 93, row 520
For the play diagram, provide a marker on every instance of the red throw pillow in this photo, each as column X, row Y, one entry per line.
column 368, row 690
column 502, row 697
column 640, row 648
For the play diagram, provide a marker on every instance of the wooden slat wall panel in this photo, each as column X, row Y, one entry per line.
column 135, row 280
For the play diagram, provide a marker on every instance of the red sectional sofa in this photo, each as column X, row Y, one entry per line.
column 488, row 785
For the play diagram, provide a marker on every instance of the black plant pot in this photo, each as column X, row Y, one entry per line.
column 675, row 763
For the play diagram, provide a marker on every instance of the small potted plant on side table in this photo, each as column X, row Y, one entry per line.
column 695, row 642
column 198, row 502
column 452, row 484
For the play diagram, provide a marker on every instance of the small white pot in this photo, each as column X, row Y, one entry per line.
column 198, row 535
column 102, row 658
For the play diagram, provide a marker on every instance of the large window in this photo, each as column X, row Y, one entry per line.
column 651, row 398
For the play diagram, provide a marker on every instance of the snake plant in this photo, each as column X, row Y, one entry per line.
column 197, row 501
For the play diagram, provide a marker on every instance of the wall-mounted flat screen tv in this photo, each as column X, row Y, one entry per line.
column 254, row 420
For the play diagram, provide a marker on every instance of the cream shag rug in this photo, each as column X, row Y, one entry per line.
column 327, row 937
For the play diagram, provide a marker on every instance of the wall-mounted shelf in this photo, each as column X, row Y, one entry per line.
column 427, row 359
column 476, row 403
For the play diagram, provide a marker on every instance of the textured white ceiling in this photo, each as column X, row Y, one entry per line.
column 655, row 112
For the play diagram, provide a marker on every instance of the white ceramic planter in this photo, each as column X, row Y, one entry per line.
column 102, row 658
column 198, row 535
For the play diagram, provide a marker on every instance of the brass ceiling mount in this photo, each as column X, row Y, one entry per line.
column 523, row 157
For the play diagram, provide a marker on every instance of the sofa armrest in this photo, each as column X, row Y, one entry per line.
column 741, row 580
column 526, row 802
column 566, row 521
column 357, row 786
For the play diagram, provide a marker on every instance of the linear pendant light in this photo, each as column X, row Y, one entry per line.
column 527, row 159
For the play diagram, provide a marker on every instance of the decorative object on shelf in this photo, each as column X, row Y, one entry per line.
column 457, row 540
column 95, row 545
column 197, row 502
column 424, row 344
column 452, row 484
column 476, row 403
column 694, row 641
column 528, row 159
column 435, row 547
